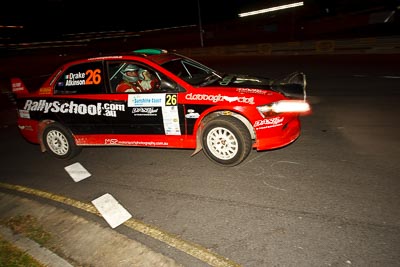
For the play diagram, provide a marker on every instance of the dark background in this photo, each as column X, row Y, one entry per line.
column 90, row 21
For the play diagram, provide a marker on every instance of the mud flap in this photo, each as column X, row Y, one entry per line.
column 41, row 127
column 199, row 145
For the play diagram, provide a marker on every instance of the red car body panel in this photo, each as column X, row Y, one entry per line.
column 171, row 117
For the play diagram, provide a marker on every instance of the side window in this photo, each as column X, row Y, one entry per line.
column 133, row 77
column 86, row 78
column 189, row 71
column 115, row 71
column 167, row 85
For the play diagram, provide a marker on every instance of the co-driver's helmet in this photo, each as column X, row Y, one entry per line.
column 128, row 68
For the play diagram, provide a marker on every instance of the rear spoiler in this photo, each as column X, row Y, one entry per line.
column 293, row 86
column 29, row 85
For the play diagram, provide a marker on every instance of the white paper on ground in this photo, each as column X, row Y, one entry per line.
column 77, row 172
column 111, row 210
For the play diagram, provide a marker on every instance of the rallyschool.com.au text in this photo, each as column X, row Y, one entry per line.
column 72, row 107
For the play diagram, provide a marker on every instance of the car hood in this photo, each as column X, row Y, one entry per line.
column 292, row 86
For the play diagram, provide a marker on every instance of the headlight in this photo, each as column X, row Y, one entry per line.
column 284, row 106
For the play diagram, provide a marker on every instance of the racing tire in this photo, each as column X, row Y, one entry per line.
column 226, row 141
column 59, row 142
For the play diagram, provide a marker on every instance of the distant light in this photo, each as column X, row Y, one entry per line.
column 389, row 17
column 11, row 27
column 169, row 28
column 271, row 9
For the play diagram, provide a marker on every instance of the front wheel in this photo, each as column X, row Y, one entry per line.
column 226, row 141
column 59, row 142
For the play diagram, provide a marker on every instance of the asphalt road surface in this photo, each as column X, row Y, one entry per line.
column 329, row 199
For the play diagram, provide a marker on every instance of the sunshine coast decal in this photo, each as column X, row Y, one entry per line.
column 146, row 100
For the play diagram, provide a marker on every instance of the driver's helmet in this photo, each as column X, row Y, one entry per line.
column 141, row 74
column 130, row 68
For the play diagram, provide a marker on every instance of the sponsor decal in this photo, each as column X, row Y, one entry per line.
column 24, row 114
column 168, row 104
column 73, row 79
column 268, row 123
column 146, row 100
column 45, row 90
column 191, row 114
column 145, row 111
column 90, row 77
column 252, row 91
column 97, row 109
column 220, row 98
column 114, row 141
column 105, row 57
column 25, row 127
column 17, row 87
column 111, row 141
column 171, row 120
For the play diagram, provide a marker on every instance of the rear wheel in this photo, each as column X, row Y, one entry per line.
column 226, row 141
column 59, row 142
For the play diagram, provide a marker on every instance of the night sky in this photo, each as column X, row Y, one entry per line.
column 89, row 15
column 43, row 18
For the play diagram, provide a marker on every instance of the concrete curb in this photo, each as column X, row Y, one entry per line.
column 41, row 254
column 78, row 241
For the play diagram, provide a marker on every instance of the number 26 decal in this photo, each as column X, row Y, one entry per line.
column 170, row 100
column 93, row 76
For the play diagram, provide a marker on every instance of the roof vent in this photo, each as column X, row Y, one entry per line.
column 150, row 51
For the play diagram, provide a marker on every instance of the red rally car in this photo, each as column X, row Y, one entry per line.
column 156, row 98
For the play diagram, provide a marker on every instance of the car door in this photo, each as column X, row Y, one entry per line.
column 81, row 99
column 152, row 112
